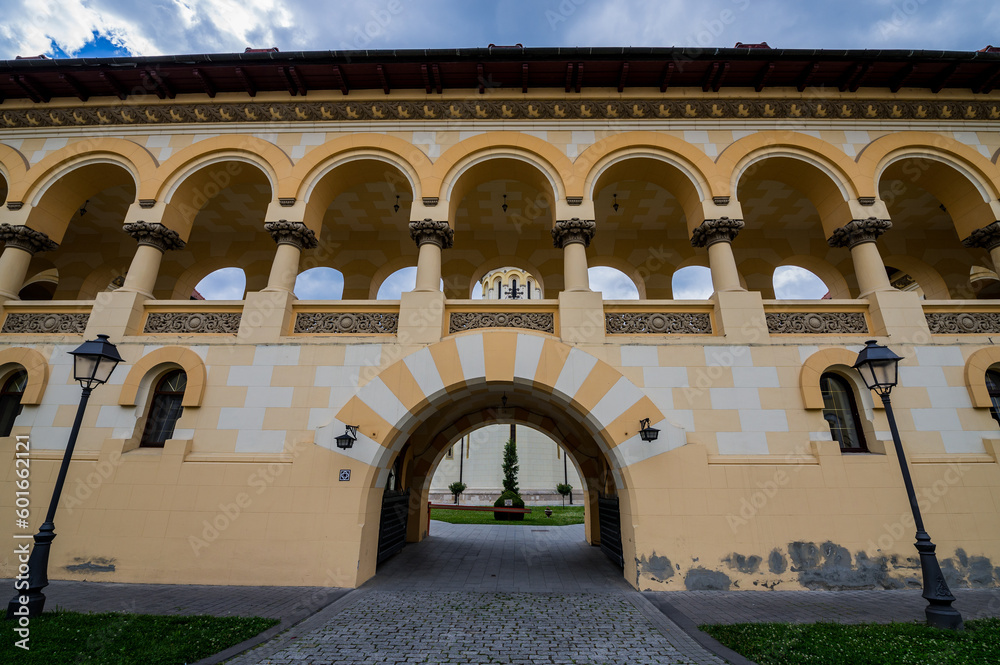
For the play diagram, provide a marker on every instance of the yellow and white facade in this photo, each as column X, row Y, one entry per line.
column 744, row 488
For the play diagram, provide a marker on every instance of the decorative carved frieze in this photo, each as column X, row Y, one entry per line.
column 568, row 231
column 858, row 231
column 650, row 109
column 428, row 230
column 963, row 323
column 712, row 231
column 657, row 323
column 541, row 321
column 987, row 237
column 292, row 233
column 816, row 323
column 54, row 323
column 27, row 239
column 346, row 323
column 155, row 235
column 187, row 323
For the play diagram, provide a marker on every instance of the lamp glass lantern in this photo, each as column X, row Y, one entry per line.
column 94, row 360
column 647, row 433
column 347, row 439
column 878, row 367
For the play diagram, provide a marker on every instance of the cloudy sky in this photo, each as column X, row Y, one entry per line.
column 92, row 28
column 152, row 27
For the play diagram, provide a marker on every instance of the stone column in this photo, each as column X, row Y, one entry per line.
column 573, row 237
column 431, row 237
column 154, row 239
column 292, row 238
column 859, row 235
column 717, row 235
column 21, row 244
column 987, row 238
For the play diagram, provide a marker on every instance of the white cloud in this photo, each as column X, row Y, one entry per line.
column 223, row 284
column 794, row 283
column 692, row 283
column 319, row 284
column 613, row 283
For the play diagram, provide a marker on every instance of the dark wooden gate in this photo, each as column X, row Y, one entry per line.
column 392, row 528
column 611, row 529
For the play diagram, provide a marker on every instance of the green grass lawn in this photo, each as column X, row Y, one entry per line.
column 561, row 516
column 862, row 644
column 126, row 639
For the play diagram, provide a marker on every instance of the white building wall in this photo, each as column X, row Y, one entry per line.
column 541, row 467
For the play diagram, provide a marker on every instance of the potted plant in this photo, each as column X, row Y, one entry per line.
column 457, row 488
column 548, row 512
column 565, row 490
column 511, row 498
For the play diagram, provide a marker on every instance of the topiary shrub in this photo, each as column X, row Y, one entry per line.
column 565, row 490
column 515, row 502
column 457, row 488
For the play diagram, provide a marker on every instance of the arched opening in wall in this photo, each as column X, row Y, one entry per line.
column 929, row 201
column 3, row 189
column 795, row 283
column 842, row 413
column 612, row 283
column 319, row 284
column 993, row 387
column 361, row 204
column 903, row 281
column 219, row 210
column 40, row 286
column 509, row 283
column 502, row 208
column 164, row 409
column 638, row 199
column 692, row 283
column 221, row 284
column 82, row 210
column 421, row 440
column 12, row 387
column 985, row 283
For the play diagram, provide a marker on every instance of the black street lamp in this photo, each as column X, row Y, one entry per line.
column 647, row 433
column 878, row 368
column 93, row 363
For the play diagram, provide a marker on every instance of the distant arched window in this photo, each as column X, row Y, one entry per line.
column 840, row 409
column 10, row 400
column 993, row 386
column 164, row 409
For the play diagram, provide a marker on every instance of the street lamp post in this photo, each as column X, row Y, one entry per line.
column 878, row 368
column 93, row 362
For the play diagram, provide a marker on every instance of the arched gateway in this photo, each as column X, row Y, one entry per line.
column 418, row 405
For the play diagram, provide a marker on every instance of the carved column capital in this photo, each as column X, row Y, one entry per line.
column 987, row 237
column 27, row 239
column 155, row 235
column 567, row 231
column 429, row 231
column 712, row 231
column 859, row 231
column 296, row 234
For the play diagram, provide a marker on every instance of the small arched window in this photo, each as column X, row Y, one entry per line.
column 840, row 409
column 164, row 409
column 993, row 386
column 10, row 400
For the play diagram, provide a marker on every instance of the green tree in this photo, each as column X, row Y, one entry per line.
column 510, row 467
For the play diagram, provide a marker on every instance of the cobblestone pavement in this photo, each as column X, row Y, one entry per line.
column 489, row 594
column 872, row 606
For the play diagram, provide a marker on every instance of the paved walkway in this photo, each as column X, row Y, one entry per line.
column 489, row 594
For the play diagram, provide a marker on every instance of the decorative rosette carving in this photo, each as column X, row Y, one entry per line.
column 428, row 230
column 858, row 231
column 27, row 239
column 292, row 233
column 155, row 235
column 568, row 231
column 987, row 237
column 712, row 231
